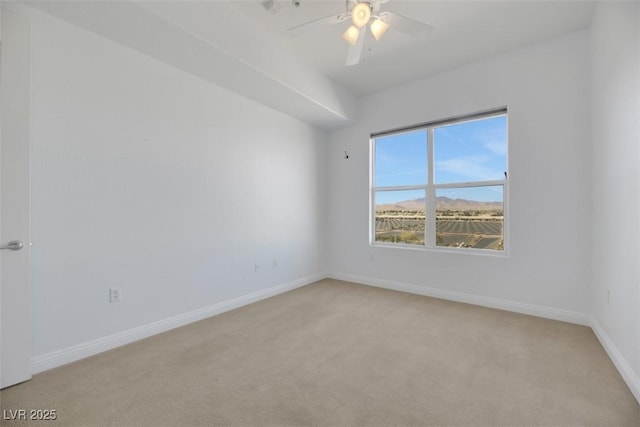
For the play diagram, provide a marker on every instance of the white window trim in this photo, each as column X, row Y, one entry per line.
column 430, row 190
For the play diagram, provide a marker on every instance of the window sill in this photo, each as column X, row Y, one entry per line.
column 446, row 250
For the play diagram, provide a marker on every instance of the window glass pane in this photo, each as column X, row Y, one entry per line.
column 401, row 159
column 400, row 216
column 471, row 151
column 470, row 217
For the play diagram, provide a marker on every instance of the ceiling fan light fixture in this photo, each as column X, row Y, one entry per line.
column 361, row 14
column 351, row 35
column 378, row 28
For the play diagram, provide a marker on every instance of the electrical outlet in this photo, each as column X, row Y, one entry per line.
column 274, row 263
column 114, row 295
column 256, row 267
column 608, row 296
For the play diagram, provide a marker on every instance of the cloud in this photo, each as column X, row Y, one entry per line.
column 419, row 172
column 496, row 146
column 470, row 168
column 493, row 138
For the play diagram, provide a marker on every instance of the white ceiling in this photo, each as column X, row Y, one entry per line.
column 463, row 31
column 244, row 47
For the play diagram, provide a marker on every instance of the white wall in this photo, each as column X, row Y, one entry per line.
column 615, row 88
column 545, row 87
column 148, row 179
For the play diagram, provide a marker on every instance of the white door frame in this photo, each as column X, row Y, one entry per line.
column 15, row 266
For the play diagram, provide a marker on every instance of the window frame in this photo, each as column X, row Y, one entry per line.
column 430, row 188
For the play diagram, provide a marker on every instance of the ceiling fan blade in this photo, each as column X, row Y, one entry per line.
column 407, row 25
column 320, row 22
column 368, row 45
column 354, row 55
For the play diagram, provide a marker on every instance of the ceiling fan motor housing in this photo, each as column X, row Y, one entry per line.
column 361, row 14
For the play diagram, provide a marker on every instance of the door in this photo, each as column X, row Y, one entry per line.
column 15, row 286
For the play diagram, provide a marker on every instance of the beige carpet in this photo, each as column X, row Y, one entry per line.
column 341, row 354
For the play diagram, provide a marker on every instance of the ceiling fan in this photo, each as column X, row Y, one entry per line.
column 366, row 20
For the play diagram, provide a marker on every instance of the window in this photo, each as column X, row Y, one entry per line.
column 441, row 185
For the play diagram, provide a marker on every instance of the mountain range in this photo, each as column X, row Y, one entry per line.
column 442, row 204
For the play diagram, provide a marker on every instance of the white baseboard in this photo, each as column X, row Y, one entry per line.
column 517, row 307
column 80, row 351
column 628, row 374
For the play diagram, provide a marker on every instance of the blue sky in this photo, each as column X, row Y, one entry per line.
column 464, row 152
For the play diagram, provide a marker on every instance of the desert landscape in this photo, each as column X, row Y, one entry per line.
column 459, row 223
